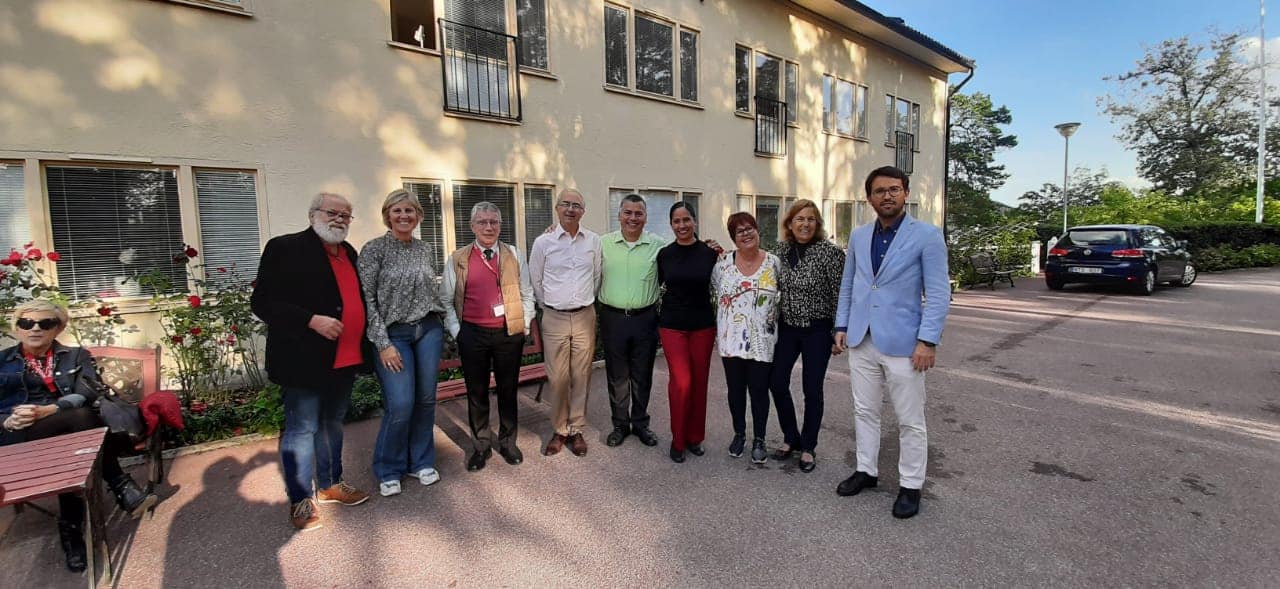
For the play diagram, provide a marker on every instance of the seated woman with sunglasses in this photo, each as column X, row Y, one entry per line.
column 48, row 389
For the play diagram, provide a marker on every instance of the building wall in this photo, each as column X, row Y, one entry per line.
column 311, row 96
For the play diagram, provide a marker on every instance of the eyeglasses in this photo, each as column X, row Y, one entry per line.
column 487, row 222
column 344, row 217
column 571, row 205
column 45, row 324
column 892, row 191
column 744, row 231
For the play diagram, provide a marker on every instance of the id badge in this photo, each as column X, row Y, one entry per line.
column 499, row 310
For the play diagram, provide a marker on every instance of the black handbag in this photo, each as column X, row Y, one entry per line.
column 121, row 416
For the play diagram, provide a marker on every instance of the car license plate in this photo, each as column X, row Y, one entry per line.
column 1084, row 270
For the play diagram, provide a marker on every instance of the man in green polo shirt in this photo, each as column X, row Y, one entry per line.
column 629, row 319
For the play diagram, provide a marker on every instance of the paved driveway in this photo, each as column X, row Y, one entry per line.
column 1077, row 438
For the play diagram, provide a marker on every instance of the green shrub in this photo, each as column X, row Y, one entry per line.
column 1200, row 236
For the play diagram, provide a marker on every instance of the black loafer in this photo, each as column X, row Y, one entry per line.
column 616, row 436
column 808, row 465
column 477, row 460
column 696, row 449
column 908, row 503
column 512, row 455
column 856, row 483
column 779, row 455
column 676, row 455
column 646, row 436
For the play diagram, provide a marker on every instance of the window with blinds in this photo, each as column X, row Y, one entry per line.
column 112, row 223
column 843, row 222
column 768, row 217
column 228, row 205
column 539, row 213
column 466, row 196
column 615, row 46
column 431, row 229
column 657, row 205
column 15, row 229
column 531, row 27
column 693, row 198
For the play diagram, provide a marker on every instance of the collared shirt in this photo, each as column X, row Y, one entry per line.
column 629, row 273
column 565, row 269
column 881, row 239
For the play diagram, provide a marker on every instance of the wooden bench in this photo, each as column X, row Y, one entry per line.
column 528, row 374
column 134, row 373
column 988, row 271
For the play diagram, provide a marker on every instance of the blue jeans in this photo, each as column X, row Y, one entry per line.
column 406, row 441
column 311, row 443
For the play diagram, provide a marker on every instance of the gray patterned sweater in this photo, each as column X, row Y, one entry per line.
column 400, row 284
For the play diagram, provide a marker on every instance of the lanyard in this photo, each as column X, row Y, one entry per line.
column 497, row 277
column 43, row 370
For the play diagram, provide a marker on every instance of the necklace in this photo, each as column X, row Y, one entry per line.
column 43, row 369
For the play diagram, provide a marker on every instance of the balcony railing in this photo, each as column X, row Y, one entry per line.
column 904, row 155
column 771, row 126
column 481, row 75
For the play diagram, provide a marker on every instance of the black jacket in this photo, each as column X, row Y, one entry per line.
column 295, row 281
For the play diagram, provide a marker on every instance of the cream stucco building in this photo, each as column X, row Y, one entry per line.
column 130, row 127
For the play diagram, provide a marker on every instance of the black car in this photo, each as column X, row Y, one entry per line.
column 1138, row 256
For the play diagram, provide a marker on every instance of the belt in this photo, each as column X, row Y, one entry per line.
column 629, row 312
column 573, row 310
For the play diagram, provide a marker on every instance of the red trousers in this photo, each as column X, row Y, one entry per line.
column 688, row 356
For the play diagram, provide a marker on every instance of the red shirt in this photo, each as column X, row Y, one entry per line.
column 349, row 353
column 482, row 291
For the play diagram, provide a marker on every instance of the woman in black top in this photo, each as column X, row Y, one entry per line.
column 687, row 327
column 810, row 285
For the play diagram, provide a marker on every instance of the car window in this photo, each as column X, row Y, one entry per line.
column 1116, row 237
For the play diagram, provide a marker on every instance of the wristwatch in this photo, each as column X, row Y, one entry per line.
column 930, row 344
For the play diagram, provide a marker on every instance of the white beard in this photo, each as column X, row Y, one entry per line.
column 330, row 233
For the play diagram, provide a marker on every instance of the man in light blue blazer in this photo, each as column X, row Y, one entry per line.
column 894, row 298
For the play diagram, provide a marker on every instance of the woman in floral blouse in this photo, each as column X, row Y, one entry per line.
column 746, row 289
column 810, row 285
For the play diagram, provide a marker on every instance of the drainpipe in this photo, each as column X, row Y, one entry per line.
column 946, row 147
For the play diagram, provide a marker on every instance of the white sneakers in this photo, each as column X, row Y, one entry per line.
column 426, row 476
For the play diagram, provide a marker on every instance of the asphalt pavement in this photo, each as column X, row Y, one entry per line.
column 1082, row 437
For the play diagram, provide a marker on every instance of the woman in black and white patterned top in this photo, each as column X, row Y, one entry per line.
column 405, row 322
column 810, row 285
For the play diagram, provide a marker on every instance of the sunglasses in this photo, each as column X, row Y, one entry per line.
column 45, row 324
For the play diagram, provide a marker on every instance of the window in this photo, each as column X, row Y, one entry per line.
column 657, row 204
column 539, row 213
column 112, row 223
column 768, row 217
column 466, row 196
column 431, row 229
column 15, row 230
column 693, row 198
column 531, row 27
column 227, row 201
column 913, row 209
column 770, row 76
column 477, row 57
column 844, row 107
column 413, row 22
column 657, row 43
column 901, row 115
column 744, row 202
column 843, row 222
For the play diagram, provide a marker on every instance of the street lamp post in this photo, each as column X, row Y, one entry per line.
column 1066, row 130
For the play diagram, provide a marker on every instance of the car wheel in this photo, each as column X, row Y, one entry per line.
column 1054, row 283
column 1188, row 276
column 1148, row 284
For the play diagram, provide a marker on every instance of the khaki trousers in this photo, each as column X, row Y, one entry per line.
column 568, row 346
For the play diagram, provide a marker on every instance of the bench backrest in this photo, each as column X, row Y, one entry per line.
column 981, row 261
column 133, row 372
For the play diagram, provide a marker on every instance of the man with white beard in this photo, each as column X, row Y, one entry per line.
column 308, row 293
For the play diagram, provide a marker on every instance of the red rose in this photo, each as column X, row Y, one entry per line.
column 190, row 252
column 194, row 301
column 104, row 311
column 195, row 331
column 34, row 254
column 15, row 258
column 231, row 338
column 198, row 407
column 54, row 256
column 237, row 431
column 177, row 339
column 222, row 270
column 3, row 275
column 27, row 245
column 254, row 284
column 235, row 329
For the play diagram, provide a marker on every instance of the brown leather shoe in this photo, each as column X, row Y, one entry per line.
column 554, row 446
column 304, row 516
column 342, row 493
column 578, row 445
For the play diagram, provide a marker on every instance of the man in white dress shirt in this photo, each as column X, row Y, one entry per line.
column 564, row 267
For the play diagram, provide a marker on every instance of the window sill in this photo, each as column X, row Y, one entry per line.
column 413, row 48
column 459, row 115
column 537, row 73
column 772, row 156
column 242, row 10
column 653, row 97
column 845, row 136
column 746, row 114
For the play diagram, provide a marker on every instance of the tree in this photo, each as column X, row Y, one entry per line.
column 1045, row 205
column 976, row 136
column 1188, row 111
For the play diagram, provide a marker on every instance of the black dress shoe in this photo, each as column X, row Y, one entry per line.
column 477, row 459
column 72, row 537
column 808, row 465
column 695, row 449
column 646, row 435
column 511, row 454
column 908, row 503
column 856, row 483
column 616, row 436
column 779, row 455
column 130, row 497
column 676, row 455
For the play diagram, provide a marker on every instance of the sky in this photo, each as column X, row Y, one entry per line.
column 1046, row 60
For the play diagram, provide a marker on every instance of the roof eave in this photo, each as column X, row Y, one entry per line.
column 891, row 32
